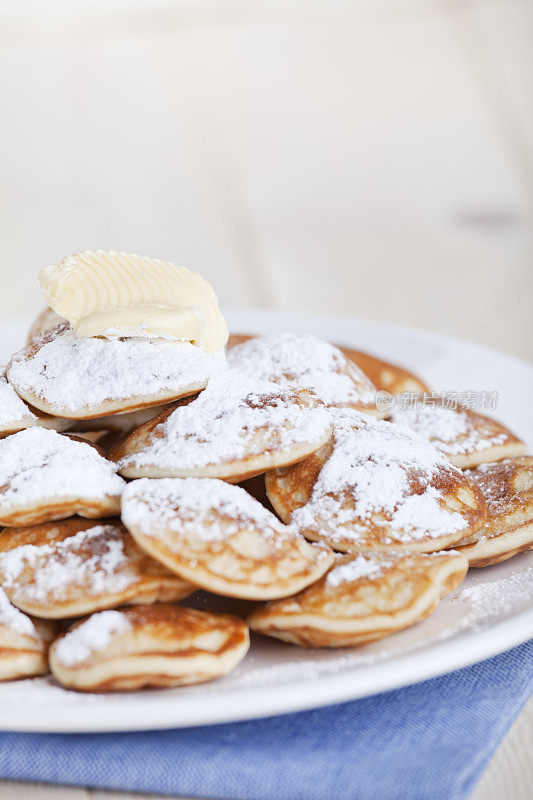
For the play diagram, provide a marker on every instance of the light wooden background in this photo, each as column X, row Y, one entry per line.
column 372, row 157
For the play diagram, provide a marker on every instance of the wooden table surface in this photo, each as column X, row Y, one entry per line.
column 372, row 158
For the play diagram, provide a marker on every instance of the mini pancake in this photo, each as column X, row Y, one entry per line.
column 159, row 645
column 66, row 569
column 377, row 486
column 46, row 320
column 467, row 437
column 46, row 475
column 363, row 598
column 23, row 643
column 236, row 428
column 66, row 375
column 383, row 375
column 508, row 490
column 303, row 361
column 218, row 537
column 16, row 415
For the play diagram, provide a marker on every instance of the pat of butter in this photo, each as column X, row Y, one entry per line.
column 110, row 294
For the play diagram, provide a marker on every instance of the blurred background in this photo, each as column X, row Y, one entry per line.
column 371, row 158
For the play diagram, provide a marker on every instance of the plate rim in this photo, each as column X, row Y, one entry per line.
column 261, row 702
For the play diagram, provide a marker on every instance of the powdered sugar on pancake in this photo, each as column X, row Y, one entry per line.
column 12, row 618
column 92, row 560
column 220, row 509
column 14, row 412
column 72, row 373
column 15, row 415
column 362, row 566
column 506, row 486
column 380, row 474
column 452, row 430
column 372, row 565
column 91, row 636
column 234, row 417
column 289, row 359
column 39, row 464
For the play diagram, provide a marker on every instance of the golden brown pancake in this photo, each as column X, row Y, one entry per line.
column 46, row 475
column 217, row 536
column 377, row 486
column 467, row 437
column 508, row 490
column 16, row 415
column 67, row 569
column 303, row 361
column 159, row 645
column 67, row 375
column 46, row 320
column 23, row 643
column 236, row 428
column 384, row 375
column 362, row 598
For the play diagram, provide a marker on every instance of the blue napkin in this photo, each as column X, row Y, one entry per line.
column 431, row 740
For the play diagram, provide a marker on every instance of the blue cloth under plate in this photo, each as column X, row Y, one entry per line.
column 430, row 741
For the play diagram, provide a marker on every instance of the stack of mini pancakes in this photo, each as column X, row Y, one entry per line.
column 135, row 472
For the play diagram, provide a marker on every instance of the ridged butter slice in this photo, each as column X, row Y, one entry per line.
column 108, row 293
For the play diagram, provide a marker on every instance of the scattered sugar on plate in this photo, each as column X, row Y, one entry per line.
column 234, row 417
column 93, row 560
column 492, row 596
column 72, row 372
column 451, row 430
column 369, row 473
column 291, row 359
column 12, row 618
column 37, row 464
column 91, row 636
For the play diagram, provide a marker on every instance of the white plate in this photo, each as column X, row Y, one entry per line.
column 491, row 612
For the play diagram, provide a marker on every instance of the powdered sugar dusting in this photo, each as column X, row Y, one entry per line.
column 362, row 566
column 13, row 410
column 452, row 430
column 73, row 373
column 493, row 596
column 92, row 560
column 497, row 483
column 38, row 464
column 91, row 636
column 220, row 509
column 234, row 417
column 14, row 619
column 371, row 472
column 291, row 359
